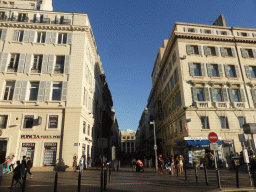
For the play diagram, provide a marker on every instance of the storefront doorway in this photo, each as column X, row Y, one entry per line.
column 3, row 149
column 50, row 151
column 28, row 150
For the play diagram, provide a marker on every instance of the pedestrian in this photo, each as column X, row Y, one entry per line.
column 23, row 167
column 74, row 163
column 81, row 164
column 17, row 174
column 7, row 163
column 172, row 165
column 12, row 163
column 1, row 172
column 133, row 163
column 160, row 164
column 180, row 164
column 89, row 163
column 104, row 161
column 29, row 166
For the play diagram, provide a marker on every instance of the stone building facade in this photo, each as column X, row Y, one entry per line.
column 128, row 140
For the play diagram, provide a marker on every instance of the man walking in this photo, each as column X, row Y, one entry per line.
column 29, row 166
column 81, row 164
column 12, row 163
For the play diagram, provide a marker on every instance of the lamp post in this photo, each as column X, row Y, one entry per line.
column 155, row 146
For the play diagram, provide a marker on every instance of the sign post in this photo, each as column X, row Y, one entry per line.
column 213, row 138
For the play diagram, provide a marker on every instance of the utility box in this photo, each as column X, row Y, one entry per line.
column 249, row 128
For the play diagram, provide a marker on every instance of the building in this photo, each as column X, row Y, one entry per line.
column 53, row 87
column 203, row 81
column 128, row 141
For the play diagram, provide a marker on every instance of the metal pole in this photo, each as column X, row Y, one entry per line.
column 217, row 170
column 205, row 174
column 56, row 181
column 248, row 168
column 237, row 178
column 155, row 146
column 105, row 179
column 24, row 182
column 185, row 169
column 101, row 181
column 196, row 173
column 79, row 181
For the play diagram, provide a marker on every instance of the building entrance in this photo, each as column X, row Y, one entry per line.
column 28, row 150
column 3, row 148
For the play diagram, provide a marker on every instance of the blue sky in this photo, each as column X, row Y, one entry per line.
column 129, row 33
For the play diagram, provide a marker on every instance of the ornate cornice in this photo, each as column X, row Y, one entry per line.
column 204, row 37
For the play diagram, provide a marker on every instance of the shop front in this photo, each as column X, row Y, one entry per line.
column 50, row 151
column 3, row 149
column 28, row 150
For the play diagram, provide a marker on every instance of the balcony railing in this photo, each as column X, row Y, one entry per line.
column 238, row 104
column 202, row 104
column 220, row 104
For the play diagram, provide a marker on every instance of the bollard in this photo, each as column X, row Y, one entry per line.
column 177, row 172
column 109, row 174
column 218, row 177
column 79, row 181
column 24, row 182
column 237, row 178
column 105, row 179
column 101, row 181
column 185, row 169
column 196, row 174
column 55, row 182
column 205, row 174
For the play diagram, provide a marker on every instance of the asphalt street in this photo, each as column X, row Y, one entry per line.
column 127, row 180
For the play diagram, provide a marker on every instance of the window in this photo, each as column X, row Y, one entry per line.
column 132, row 137
column 53, row 121
column 62, row 38
column 224, row 122
column 59, row 67
column 84, row 127
column 194, row 49
column 56, row 91
column 18, row 36
column 223, row 33
column 123, row 137
column 88, row 130
column 204, row 123
column 28, row 121
column 197, row 69
column 37, row 64
column 215, row 71
column 243, row 34
column 231, row 71
column 218, row 95
column 9, row 88
column 3, row 16
column 22, row 17
column 241, row 121
column 212, row 51
column 176, row 76
column 227, row 52
column 33, row 91
column 41, row 37
column 252, row 70
column 200, row 94
column 128, row 137
column 3, row 121
column 191, row 30
column 207, row 31
column 181, row 126
column 236, row 95
column 14, row 61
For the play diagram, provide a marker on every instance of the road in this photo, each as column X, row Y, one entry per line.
column 127, row 180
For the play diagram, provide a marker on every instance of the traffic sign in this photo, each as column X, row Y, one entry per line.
column 213, row 137
column 214, row 146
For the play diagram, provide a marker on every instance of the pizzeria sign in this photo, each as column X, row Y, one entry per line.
column 40, row 136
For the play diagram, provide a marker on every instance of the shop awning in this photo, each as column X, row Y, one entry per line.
column 202, row 143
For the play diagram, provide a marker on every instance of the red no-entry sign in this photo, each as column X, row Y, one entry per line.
column 213, row 137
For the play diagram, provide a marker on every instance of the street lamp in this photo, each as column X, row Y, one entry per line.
column 152, row 122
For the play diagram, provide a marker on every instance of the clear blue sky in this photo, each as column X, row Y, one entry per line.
column 128, row 34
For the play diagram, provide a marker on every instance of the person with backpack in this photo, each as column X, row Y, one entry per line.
column 17, row 173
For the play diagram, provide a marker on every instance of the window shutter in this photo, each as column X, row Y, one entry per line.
column 233, row 52
column 26, row 36
column 248, row 34
column 222, row 51
column 188, row 49
column 51, row 64
column 15, row 35
column 64, row 91
column 185, row 29
column 226, row 70
column 17, row 88
column 228, row 33
column 67, row 64
column 231, row 96
column 45, row 63
column 224, row 94
column 69, row 38
column 237, row 71
column 213, row 94
column 243, row 52
column 242, row 94
column 191, row 69
column 47, row 90
column 194, row 94
column 32, row 36
column 202, row 30
column 21, row 63
column 209, row 69
column 4, row 34
column 253, row 95
column 23, row 90
column 212, row 32
column 254, row 53
column 196, row 31
column 206, row 94
column 5, row 59
column 218, row 32
column 57, row 19
column 203, row 69
column 217, row 51
column 239, row 34
column 54, row 37
column 48, row 37
column 247, row 70
column 28, row 63
column 254, row 34
column 199, row 50
column 206, row 52
column 40, row 96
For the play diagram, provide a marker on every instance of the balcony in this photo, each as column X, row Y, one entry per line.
column 3, row 17
column 202, row 104
column 220, row 104
column 238, row 104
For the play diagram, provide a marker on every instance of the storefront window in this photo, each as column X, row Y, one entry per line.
column 53, row 121
column 27, row 149
column 50, row 150
column 3, row 121
column 28, row 121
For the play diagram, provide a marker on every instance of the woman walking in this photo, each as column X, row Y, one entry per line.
column 74, row 163
column 180, row 164
column 7, row 167
column 160, row 164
